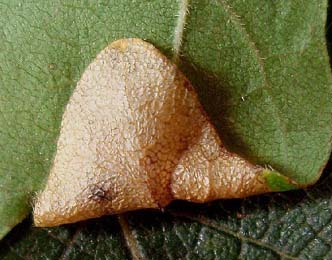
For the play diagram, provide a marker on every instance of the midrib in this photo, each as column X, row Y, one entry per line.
column 179, row 29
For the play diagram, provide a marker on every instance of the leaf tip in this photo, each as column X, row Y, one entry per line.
column 277, row 181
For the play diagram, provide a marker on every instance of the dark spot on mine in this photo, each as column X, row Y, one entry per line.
column 99, row 194
column 187, row 85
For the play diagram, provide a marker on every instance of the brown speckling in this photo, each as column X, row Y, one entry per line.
column 134, row 129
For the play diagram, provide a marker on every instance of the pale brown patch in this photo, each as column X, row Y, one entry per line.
column 133, row 136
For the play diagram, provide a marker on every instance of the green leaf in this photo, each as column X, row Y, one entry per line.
column 293, row 225
column 277, row 182
column 260, row 67
column 100, row 239
column 262, row 71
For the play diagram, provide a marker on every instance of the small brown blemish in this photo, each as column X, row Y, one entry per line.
column 187, row 85
column 51, row 66
column 120, row 45
column 99, row 194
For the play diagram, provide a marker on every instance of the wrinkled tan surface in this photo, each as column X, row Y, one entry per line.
column 133, row 136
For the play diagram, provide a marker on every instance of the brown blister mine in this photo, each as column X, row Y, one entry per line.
column 135, row 136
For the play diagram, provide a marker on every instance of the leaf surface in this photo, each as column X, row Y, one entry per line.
column 261, row 70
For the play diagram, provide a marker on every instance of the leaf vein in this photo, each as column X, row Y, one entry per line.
column 222, row 228
column 70, row 244
column 129, row 238
column 266, row 85
column 179, row 29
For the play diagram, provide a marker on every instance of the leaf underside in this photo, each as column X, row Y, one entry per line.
column 261, row 71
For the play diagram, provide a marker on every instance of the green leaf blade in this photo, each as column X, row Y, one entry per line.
column 266, row 83
column 261, row 70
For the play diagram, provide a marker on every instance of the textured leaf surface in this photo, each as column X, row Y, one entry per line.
column 293, row 225
column 260, row 69
column 99, row 240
